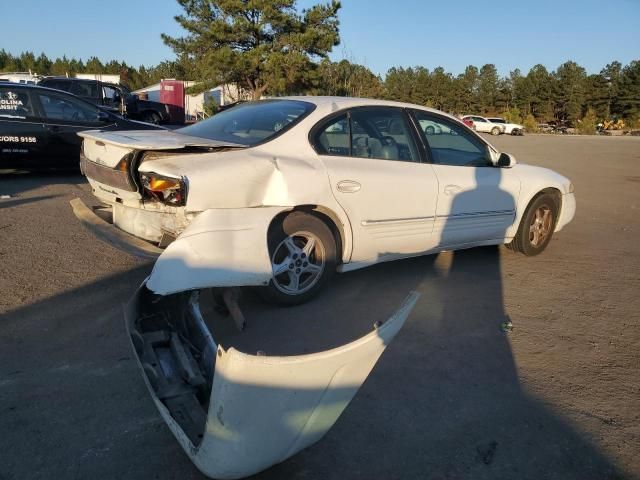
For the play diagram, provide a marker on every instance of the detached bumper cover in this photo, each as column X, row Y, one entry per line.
column 236, row 414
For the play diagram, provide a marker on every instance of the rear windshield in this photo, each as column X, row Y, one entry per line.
column 251, row 123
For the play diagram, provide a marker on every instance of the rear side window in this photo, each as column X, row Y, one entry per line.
column 57, row 84
column 60, row 107
column 85, row 89
column 15, row 103
column 370, row 132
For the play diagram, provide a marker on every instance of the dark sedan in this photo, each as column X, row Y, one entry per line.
column 39, row 126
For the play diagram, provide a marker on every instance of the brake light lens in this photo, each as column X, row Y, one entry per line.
column 168, row 190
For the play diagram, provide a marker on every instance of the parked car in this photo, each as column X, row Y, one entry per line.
column 39, row 126
column 282, row 193
column 116, row 98
column 509, row 128
column 482, row 124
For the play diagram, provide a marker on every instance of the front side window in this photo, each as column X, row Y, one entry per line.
column 451, row 143
column 15, row 103
column 251, row 123
column 65, row 108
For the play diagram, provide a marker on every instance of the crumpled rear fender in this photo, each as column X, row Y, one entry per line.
column 220, row 248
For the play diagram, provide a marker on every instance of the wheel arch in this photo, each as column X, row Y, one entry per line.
column 328, row 216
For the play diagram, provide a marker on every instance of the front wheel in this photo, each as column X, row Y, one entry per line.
column 495, row 131
column 537, row 226
column 303, row 258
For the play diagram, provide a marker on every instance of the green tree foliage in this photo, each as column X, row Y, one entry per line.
column 569, row 85
column 566, row 93
column 265, row 46
column 587, row 125
column 488, row 83
column 512, row 115
column 347, row 79
column 530, row 124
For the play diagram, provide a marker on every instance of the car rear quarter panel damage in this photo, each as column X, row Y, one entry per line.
column 220, row 248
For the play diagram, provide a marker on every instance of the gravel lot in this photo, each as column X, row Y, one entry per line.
column 453, row 397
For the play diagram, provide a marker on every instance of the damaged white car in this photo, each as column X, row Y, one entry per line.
column 281, row 193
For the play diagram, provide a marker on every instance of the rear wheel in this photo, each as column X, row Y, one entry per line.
column 303, row 258
column 537, row 226
column 495, row 131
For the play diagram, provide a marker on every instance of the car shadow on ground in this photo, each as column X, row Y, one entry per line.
column 444, row 401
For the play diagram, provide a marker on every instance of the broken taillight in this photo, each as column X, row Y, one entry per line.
column 168, row 190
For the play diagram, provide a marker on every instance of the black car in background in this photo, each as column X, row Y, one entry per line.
column 39, row 126
column 116, row 98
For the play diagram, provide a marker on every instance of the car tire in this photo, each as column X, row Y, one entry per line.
column 151, row 117
column 515, row 132
column 429, row 130
column 537, row 226
column 304, row 248
column 495, row 131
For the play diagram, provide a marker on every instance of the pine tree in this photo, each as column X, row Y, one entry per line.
column 261, row 45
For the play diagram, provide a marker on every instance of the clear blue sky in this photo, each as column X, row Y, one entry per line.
column 378, row 33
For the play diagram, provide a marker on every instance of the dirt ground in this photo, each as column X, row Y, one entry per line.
column 453, row 397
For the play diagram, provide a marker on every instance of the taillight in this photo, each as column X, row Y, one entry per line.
column 168, row 190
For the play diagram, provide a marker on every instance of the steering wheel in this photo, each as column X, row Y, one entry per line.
column 389, row 141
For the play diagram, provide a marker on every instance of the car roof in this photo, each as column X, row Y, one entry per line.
column 339, row 103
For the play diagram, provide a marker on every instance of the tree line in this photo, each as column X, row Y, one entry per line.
column 563, row 94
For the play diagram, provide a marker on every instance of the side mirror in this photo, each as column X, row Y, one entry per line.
column 506, row 160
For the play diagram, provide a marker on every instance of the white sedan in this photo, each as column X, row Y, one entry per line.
column 484, row 125
column 283, row 193
column 280, row 194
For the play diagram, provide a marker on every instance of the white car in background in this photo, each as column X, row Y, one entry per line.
column 509, row 128
column 482, row 124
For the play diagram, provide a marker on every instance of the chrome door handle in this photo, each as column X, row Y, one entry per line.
column 348, row 186
column 452, row 189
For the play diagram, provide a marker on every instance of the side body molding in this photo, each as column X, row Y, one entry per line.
column 220, row 248
column 263, row 409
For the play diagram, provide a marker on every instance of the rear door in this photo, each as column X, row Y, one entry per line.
column 22, row 134
column 64, row 116
column 378, row 178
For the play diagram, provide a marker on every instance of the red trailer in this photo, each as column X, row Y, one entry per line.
column 172, row 94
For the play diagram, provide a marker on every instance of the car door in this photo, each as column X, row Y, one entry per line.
column 64, row 116
column 476, row 199
column 22, row 134
column 481, row 124
column 377, row 176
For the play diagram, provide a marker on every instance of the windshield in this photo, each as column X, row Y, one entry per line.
column 251, row 123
